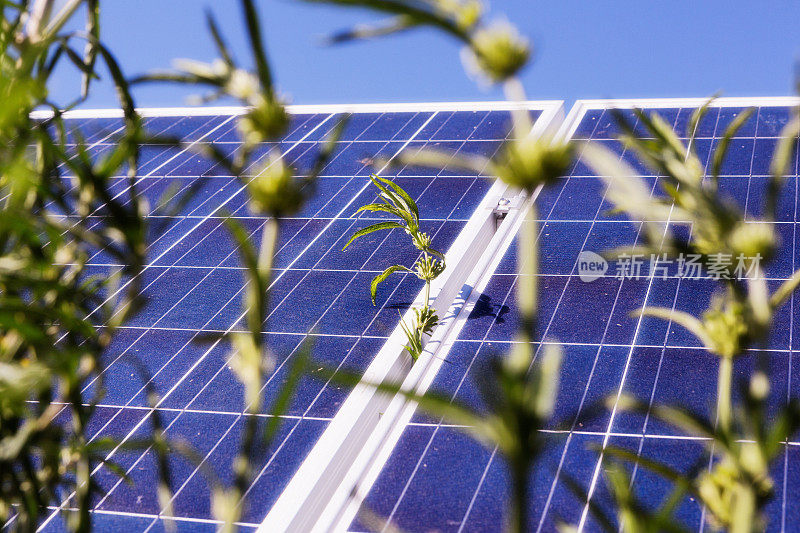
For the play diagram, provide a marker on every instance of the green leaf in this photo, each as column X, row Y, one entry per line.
column 785, row 290
column 436, row 253
column 414, row 345
column 682, row 318
column 675, row 416
column 604, row 521
column 697, row 116
column 171, row 77
column 387, row 195
column 118, row 470
column 257, row 289
column 759, row 301
column 380, row 278
column 410, row 204
column 439, row 159
column 370, row 31
column 662, row 469
column 396, row 201
column 782, row 160
column 380, row 207
column 664, row 131
column 77, row 60
column 257, row 44
column 121, row 85
column 90, row 52
column 222, row 48
column 400, row 200
column 784, row 426
column 417, row 13
column 247, row 251
column 375, row 227
column 435, row 403
column 388, row 209
column 546, row 384
column 722, row 149
column 329, row 147
column 280, row 407
column 626, row 190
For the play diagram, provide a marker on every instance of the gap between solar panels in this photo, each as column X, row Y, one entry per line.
column 328, row 488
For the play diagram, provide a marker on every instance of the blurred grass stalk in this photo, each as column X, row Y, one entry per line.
column 274, row 192
column 519, row 393
column 56, row 318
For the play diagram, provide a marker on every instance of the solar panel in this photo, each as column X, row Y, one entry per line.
column 435, row 478
column 415, row 470
column 194, row 284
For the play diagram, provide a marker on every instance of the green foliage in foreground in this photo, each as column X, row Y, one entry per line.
column 274, row 192
column 57, row 317
column 742, row 441
column 56, row 314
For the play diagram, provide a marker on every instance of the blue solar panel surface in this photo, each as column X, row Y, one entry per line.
column 438, row 479
column 194, row 285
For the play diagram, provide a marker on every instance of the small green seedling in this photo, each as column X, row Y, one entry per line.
column 431, row 263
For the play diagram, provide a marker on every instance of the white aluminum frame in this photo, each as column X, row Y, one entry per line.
column 201, row 111
column 580, row 107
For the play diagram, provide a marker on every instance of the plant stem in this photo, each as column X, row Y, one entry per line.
column 724, row 393
column 515, row 92
column 744, row 510
column 528, row 268
column 257, row 309
column 39, row 14
column 527, row 298
column 269, row 241
column 59, row 20
column 257, row 45
column 257, row 297
column 83, row 491
column 427, row 282
column 518, row 511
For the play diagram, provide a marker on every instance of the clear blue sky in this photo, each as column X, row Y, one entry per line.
column 584, row 49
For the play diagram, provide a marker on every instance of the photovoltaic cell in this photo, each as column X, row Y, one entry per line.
column 438, row 479
column 194, row 284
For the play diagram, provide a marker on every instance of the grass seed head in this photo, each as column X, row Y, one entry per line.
column 275, row 191
column 267, row 120
column 753, row 239
column 498, row 51
column 528, row 162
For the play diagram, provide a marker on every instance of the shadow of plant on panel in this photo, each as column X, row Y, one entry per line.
column 485, row 308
